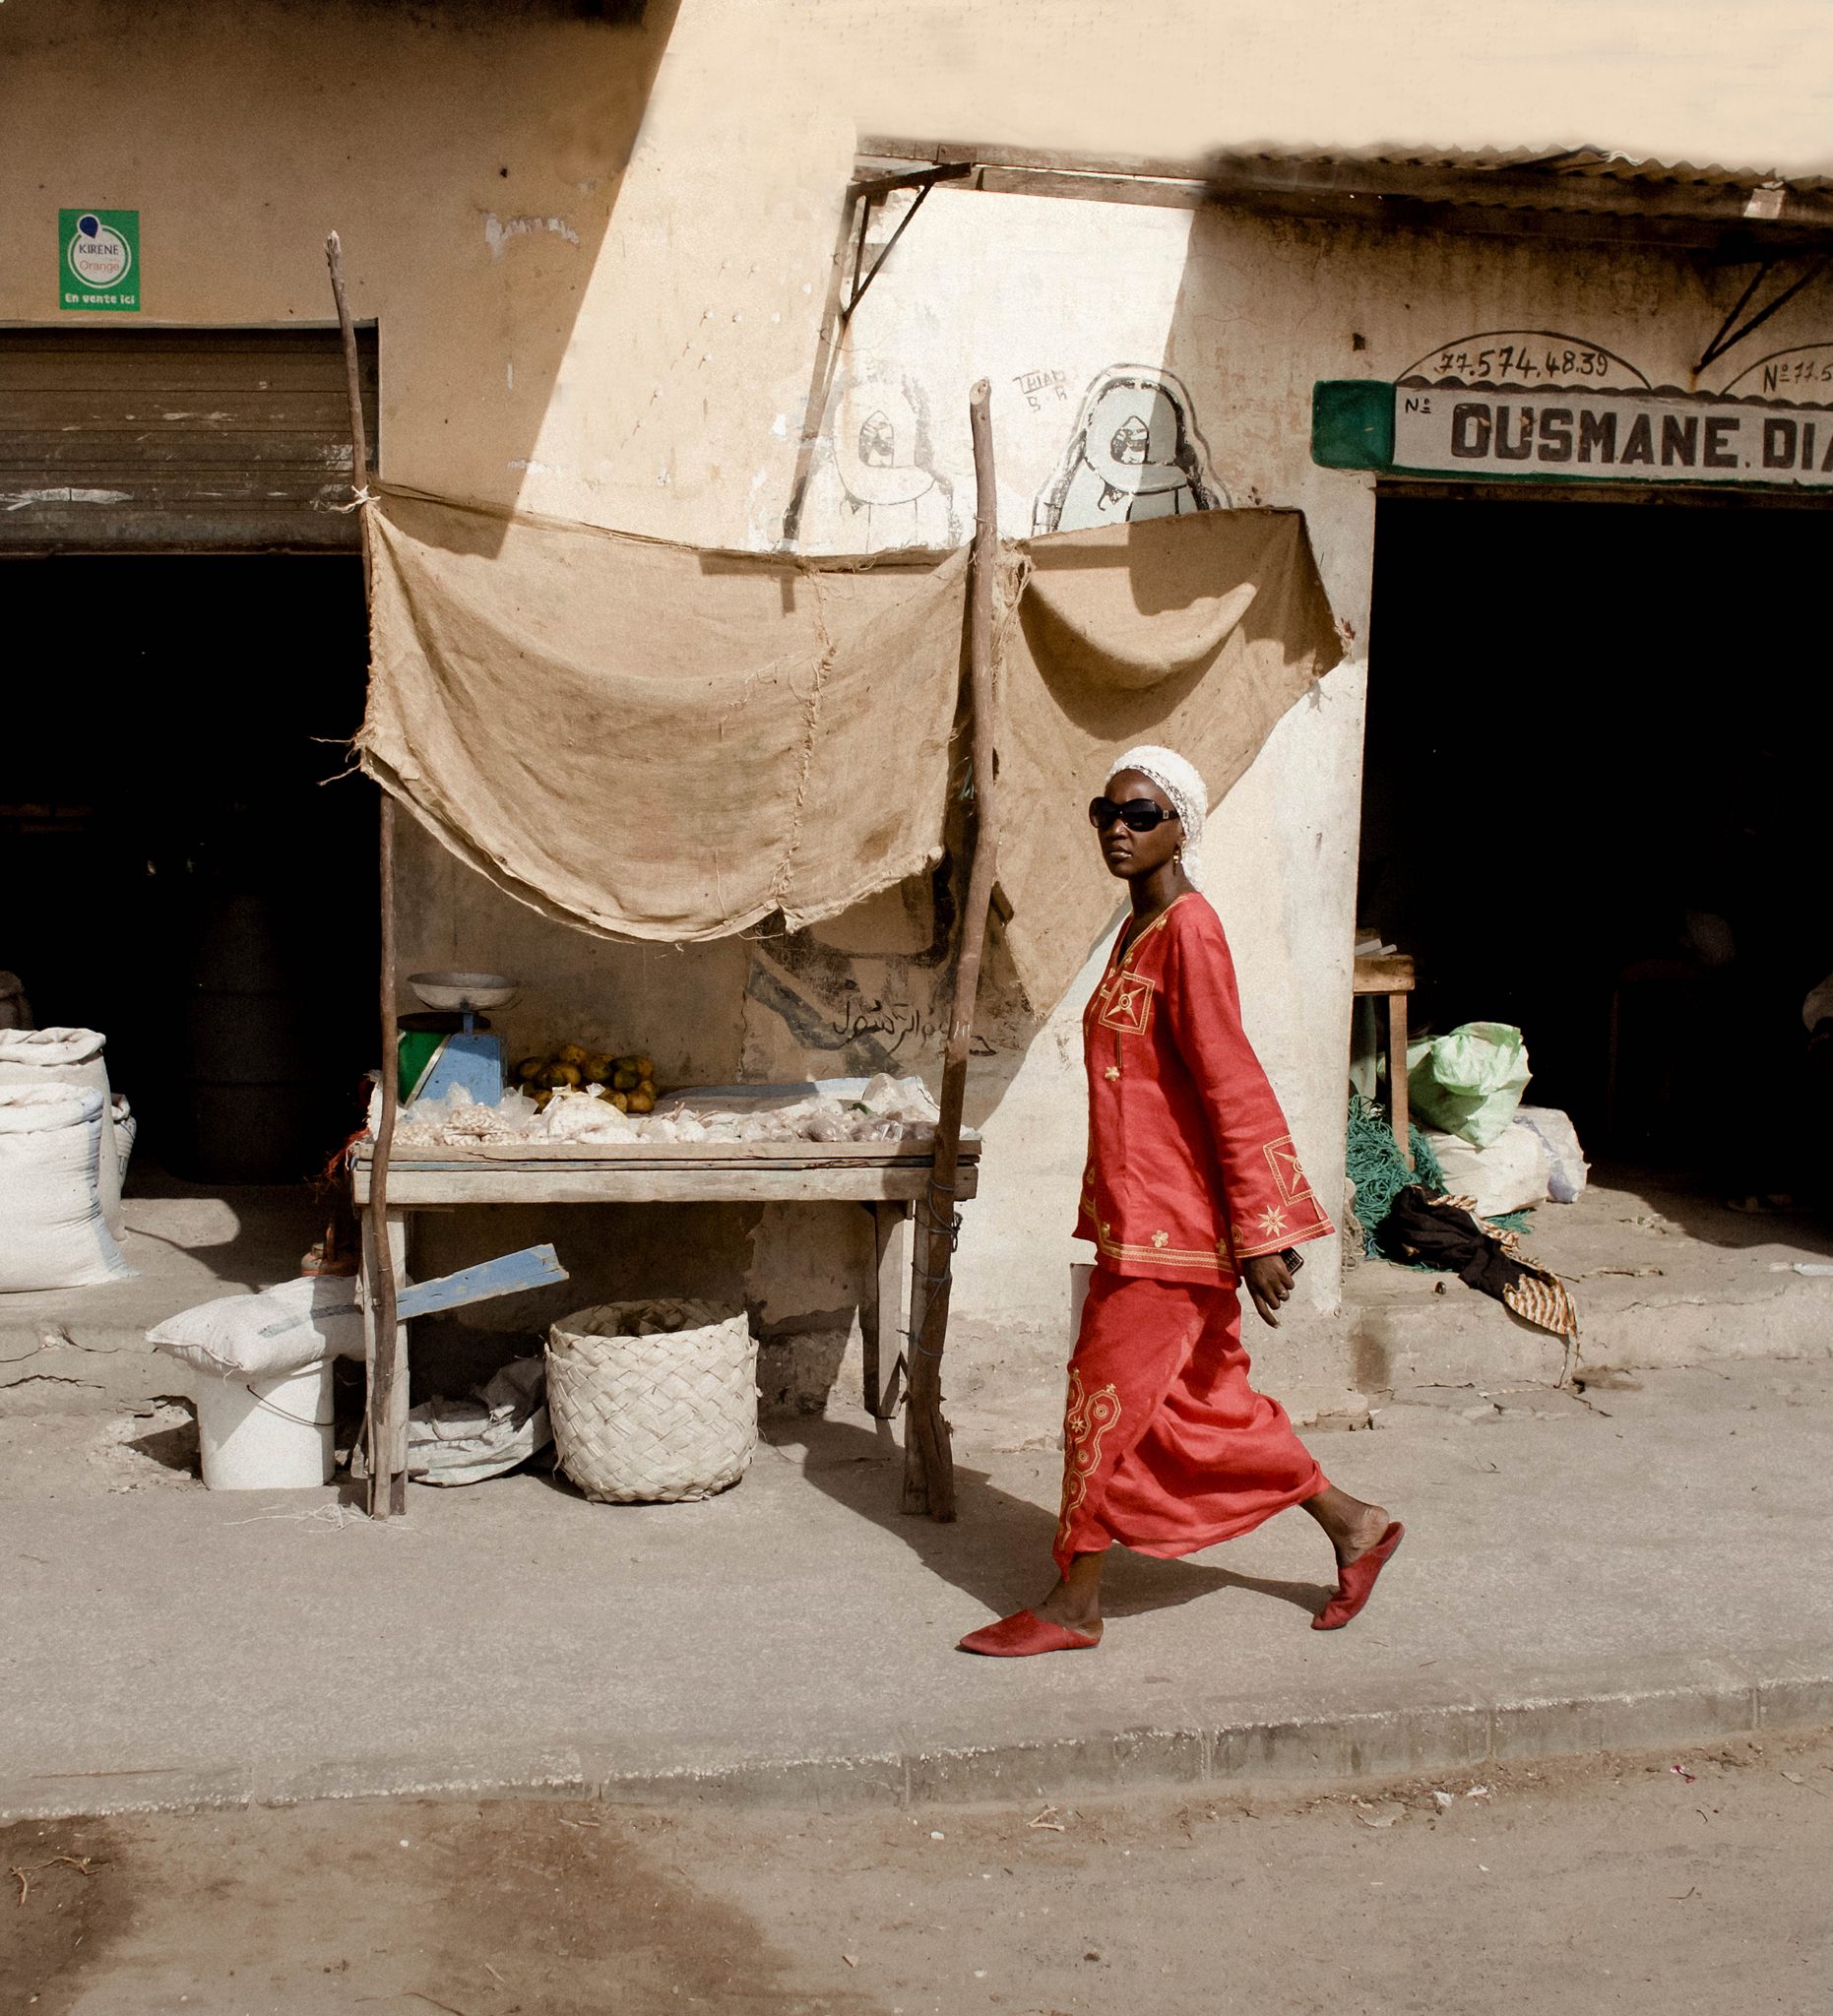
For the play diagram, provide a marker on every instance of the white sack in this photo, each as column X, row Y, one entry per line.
column 501, row 1425
column 72, row 1056
column 53, row 1231
column 118, row 1151
column 282, row 1330
column 1570, row 1171
column 54, row 1056
column 126, row 1131
column 1505, row 1177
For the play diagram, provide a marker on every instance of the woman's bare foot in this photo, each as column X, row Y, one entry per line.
column 1351, row 1526
column 1075, row 1602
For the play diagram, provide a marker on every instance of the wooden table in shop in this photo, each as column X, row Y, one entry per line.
column 888, row 1178
column 1389, row 977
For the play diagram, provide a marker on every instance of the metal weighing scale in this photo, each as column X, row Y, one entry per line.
column 450, row 1046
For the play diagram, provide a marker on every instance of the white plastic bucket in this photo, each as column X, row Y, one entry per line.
column 266, row 1434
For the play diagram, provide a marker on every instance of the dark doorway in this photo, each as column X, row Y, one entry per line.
column 1594, row 805
column 184, row 869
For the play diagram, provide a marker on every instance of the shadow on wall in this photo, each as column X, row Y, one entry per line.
column 471, row 155
column 870, row 991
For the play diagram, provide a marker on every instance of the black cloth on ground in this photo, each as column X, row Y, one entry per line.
column 1446, row 1236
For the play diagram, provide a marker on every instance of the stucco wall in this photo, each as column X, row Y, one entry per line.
column 596, row 254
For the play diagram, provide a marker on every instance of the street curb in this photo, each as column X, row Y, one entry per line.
column 1457, row 1727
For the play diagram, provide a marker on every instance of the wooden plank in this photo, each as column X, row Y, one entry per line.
column 685, row 1153
column 474, row 1184
column 366, row 1300
column 216, row 409
column 532, row 1267
column 928, row 1460
column 177, row 440
column 1397, row 1076
column 385, row 1250
column 287, row 359
column 1384, row 973
column 395, row 1389
column 158, row 526
column 160, row 448
column 882, row 1308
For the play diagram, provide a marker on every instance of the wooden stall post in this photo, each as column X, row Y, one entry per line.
column 386, row 1417
column 929, row 1462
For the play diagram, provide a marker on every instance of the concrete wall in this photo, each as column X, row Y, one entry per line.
column 1043, row 295
column 596, row 250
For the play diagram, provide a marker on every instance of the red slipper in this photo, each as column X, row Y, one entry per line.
column 1355, row 1583
column 1022, row 1635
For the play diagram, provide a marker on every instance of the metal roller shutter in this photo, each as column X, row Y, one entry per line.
column 177, row 440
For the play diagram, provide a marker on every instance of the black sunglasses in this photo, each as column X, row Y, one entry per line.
column 1137, row 815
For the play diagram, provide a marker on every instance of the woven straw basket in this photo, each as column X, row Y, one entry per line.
column 652, row 1402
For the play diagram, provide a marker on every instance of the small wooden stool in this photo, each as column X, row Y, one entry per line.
column 1390, row 977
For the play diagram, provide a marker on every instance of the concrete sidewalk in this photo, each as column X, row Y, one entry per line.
column 1643, row 1564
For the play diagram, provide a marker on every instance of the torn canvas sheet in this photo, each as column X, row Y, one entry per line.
column 1196, row 632
column 653, row 741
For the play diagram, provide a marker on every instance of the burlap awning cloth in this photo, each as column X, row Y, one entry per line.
column 1196, row 632
column 655, row 741
column 660, row 743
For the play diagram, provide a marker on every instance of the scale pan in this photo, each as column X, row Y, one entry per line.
column 464, row 992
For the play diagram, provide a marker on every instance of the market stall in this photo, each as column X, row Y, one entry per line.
column 888, row 1179
column 663, row 744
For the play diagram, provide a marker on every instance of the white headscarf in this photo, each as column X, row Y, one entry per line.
column 1183, row 784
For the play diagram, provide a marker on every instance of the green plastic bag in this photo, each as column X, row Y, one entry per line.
column 1469, row 1083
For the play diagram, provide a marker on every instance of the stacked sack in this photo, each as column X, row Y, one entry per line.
column 53, row 1223
column 73, row 1057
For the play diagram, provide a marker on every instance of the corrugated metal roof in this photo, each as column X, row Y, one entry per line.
column 1624, row 194
column 1600, row 163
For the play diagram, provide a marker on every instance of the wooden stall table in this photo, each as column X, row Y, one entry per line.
column 888, row 1178
column 1388, row 976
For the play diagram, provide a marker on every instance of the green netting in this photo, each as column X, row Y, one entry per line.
column 1373, row 1164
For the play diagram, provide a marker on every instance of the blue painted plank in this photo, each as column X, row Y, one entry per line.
column 532, row 1267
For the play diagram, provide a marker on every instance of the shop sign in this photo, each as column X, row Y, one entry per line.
column 1568, row 435
column 99, row 259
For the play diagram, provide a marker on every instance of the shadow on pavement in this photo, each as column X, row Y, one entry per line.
column 998, row 1548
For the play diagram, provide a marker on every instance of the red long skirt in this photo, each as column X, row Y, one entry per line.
column 1167, row 1448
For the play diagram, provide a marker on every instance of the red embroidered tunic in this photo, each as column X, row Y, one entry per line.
column 1191, row 1167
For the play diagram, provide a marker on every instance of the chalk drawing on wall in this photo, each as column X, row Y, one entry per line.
column 875, row 483
column 1134, row 451
column 1526, row 357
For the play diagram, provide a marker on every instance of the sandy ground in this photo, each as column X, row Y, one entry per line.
column 1657, row 1883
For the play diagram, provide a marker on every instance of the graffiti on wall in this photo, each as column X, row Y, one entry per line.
column 1039, row 389
column 1135, row 452
column 875, row 484
column 1526, row 357
column 1803, row 371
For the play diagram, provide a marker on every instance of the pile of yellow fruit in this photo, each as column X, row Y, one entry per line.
column 629, row 1082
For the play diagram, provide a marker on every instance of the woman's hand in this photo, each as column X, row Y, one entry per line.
column 1269, row 1280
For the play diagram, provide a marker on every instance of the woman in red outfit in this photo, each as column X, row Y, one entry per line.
column 1192, row 1189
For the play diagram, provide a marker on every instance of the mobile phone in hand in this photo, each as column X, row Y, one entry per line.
column 1293, row 1259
